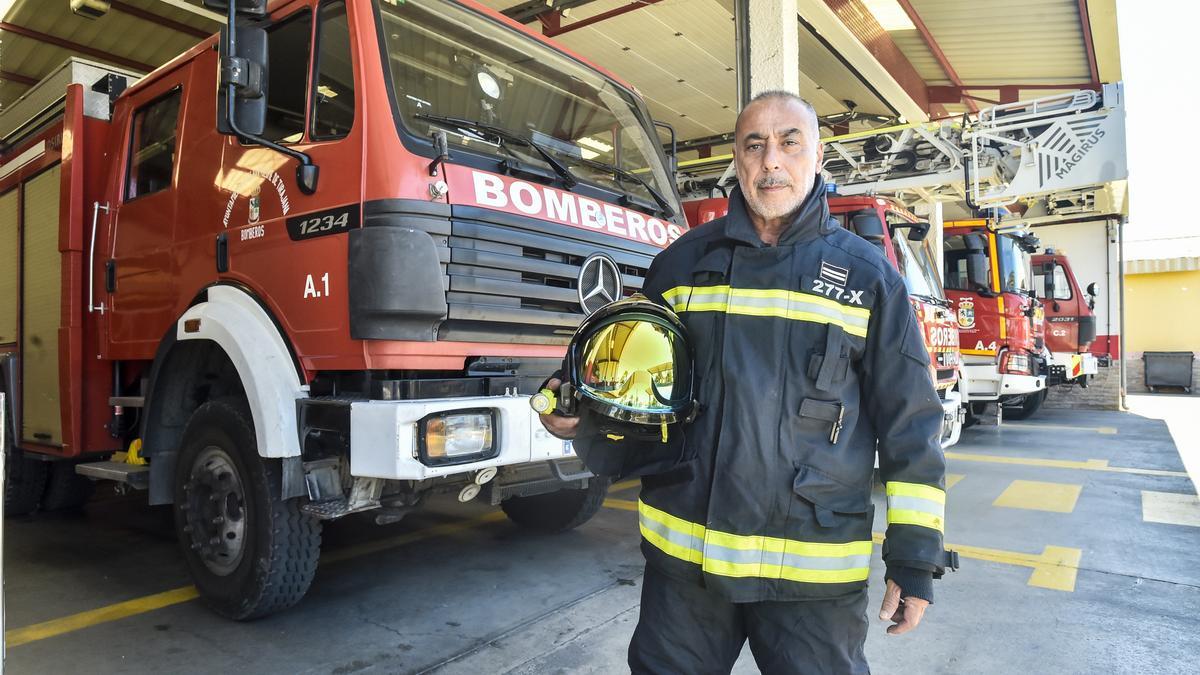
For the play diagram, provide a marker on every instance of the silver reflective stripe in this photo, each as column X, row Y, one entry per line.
column 759, row 556
column 678, row 538
column 916, row 504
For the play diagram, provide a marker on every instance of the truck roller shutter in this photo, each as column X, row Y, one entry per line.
column 41, row 309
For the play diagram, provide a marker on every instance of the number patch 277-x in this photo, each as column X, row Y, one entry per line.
column 321, row 223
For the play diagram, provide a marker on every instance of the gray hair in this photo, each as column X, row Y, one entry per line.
column 784, row 95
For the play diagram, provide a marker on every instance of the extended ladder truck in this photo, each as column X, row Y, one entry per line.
column 315, row 267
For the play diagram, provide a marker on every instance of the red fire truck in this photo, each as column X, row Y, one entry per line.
column 315, row 267
column 882, row 221
column 1001, row 330
column 1070, row 321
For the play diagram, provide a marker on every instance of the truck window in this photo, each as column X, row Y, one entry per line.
column 1062, row 286
column 333, row 100
column 956, row 255
column 446, row 60
column 152, row 147
column 1014, row 266
column 287, row 78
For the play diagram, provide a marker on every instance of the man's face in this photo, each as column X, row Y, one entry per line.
column 777, row 150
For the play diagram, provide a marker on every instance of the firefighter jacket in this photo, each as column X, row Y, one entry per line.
column 808, row 358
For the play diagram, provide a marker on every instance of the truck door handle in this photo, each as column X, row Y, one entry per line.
column 222, row 253
column 110, row 276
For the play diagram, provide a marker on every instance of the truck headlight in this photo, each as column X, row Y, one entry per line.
column 457, row 437
column 1016, row 363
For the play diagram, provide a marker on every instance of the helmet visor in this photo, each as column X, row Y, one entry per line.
column 638, row 364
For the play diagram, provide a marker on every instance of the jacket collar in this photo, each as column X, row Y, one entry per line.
column 809, row 221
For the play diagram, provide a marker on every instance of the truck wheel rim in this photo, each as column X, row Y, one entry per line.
column 216, row 511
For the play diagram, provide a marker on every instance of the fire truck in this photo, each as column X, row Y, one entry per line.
column 1001, row 324
column 315, row 266
column 901, row 236
column 1070, row 320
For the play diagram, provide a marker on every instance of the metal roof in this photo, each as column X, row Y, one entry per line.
column 680, row 54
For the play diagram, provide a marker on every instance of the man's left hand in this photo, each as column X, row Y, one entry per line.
column 905, row 614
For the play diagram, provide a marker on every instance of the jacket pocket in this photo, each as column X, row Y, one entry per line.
column 830, row 496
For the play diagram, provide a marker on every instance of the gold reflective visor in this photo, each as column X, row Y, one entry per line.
column 633, row 365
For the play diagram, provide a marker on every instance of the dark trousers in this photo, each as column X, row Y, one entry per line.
column 685, row 629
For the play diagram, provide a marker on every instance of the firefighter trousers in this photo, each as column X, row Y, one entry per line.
column 684, row 628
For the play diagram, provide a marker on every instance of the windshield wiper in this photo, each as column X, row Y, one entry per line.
column 618, row 173
column 503, row 135
column 934, row 300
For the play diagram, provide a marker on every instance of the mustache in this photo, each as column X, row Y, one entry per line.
column 773, row 181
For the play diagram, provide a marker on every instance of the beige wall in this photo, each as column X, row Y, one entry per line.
column 1162, row 312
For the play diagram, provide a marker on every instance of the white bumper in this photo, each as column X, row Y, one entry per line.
column 953, row 414
column 1075, row 365
column 987, row 383
column 383, row 437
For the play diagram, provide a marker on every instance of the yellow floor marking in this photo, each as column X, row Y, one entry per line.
column 625, row 485
column 1060, row 427
column 149, row 603
column 1170, row 508
column 952, row 479
column 1089, row 465
column 623, row 504
column 40, row 631
column 1039, row 496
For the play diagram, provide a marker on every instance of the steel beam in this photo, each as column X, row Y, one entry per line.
column 856, row 36
column 934, row 47
column 591, row 20
column 17, row 78
column 1086, row 25
column 75, row 47
column 126, row 8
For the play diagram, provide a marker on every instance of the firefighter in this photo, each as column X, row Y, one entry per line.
column 808, row 360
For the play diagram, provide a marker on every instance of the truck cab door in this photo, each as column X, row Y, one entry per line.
column 139, row 276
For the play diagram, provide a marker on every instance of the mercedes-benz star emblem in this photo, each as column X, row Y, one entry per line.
column 599, row 282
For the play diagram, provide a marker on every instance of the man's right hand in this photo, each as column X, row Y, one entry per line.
column 559, row 425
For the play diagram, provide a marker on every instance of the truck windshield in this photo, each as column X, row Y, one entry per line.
column 1014, row 266
column 445, row 61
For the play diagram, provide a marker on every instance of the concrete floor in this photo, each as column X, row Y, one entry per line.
column 1091, row 586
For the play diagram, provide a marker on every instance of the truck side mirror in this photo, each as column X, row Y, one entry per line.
column 867, row 225
column 1048, row 278
column 1091, row 291
column 977, row 271
column 916, row 231
column 247, row 72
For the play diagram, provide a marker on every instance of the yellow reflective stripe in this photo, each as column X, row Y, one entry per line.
column 820, row 562
column 779, row 303
column 910, row 517
column 898, row 489
column 916, row 504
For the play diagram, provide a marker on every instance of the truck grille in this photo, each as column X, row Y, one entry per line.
column 514, row 277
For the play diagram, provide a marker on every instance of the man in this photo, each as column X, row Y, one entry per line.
column 808, row 359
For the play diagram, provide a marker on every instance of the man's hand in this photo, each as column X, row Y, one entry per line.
column 559, row 425
column 906, row 615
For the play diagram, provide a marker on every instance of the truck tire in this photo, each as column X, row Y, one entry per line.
column 24, row 484
column 250, row 552
column 1026, row 408
column 557, row 511
column 66, row 489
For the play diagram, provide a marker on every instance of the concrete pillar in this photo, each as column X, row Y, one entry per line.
column 768, row 46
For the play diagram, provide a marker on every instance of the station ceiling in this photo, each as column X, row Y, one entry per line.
column 949, row 57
